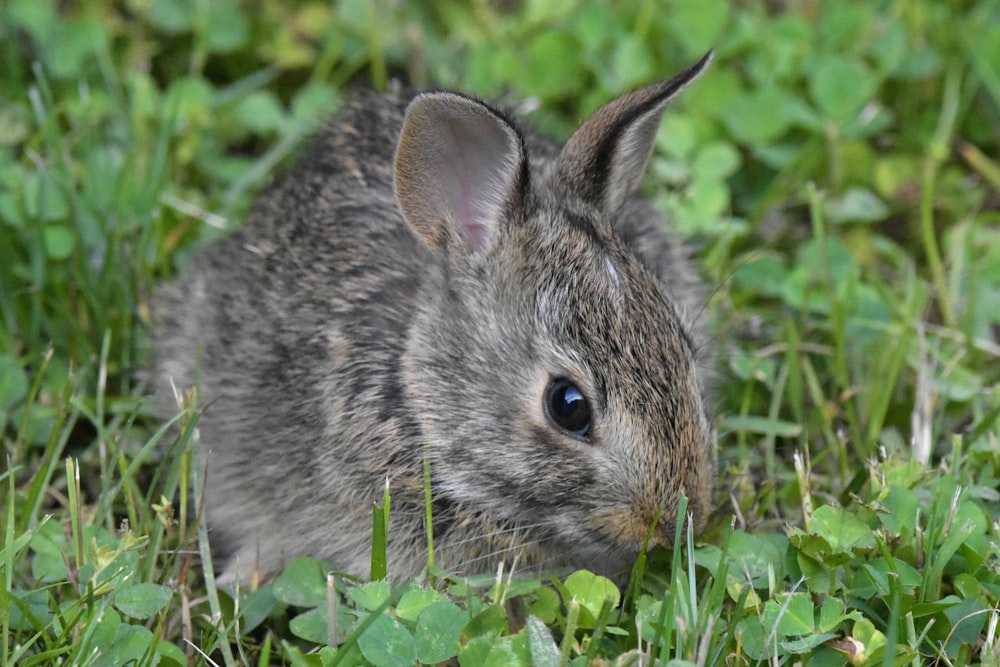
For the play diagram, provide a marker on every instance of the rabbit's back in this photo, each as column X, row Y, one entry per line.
column 294, row 325
column 323, row 245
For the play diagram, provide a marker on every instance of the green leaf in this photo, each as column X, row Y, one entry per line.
column 844, row 25
column 698, row 23
column 229, row 30
column 841, row 529
column 677, row 135
column 313, row 626
column 490, row 68
column 481, row 634
column 15, row 122
column 595, row 26
column 708, row 197
column 438, row 630
column 901, row 506
column 545, row 605
column 72, row 44
column 192, row 99
column 142, row 601
column 857, row 205
column 553, row 66
column 106, row 627
column 633, row 61
column 750, row 633
column 874, row 578
column 894, row 172
column 838, row 260
column 546, row 11
column 491, row 621
column 59, row 241
column 509, row 651
column 591, row 592
column 922, row 609
column 755, row 556
column 716, row 160
column 313, row 103
column 170, row 653
column 255, row 607
column 789, row 614
column 414, row 601
column 129, row 646
column 840, row 87
column 966, row 622
column 879, row 580
column 475, row 650
column 171, row 16
column 831, row 613
column 819, row 578
column 303, row 584
column 763, row 274
column 960, row 383
column 44, row 197
column 36, row 18
column 806, row 644
column 371, row 596
column 49, row 567
column 866, row 633
column 386, row 643
column 757, row 117
column 10, row 209
column 967, row 585
column 36, row 604
column 261, row 112
column 528, row 585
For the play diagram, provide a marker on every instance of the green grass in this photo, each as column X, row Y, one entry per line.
column 837, row 169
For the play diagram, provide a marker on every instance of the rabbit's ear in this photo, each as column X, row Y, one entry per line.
column 460, row 169
column 604, row 161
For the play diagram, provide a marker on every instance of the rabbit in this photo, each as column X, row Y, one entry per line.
column 433, row 281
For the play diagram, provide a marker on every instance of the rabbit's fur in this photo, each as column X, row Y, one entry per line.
column 410, row 290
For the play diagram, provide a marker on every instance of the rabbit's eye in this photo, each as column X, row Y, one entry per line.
column 567, row 407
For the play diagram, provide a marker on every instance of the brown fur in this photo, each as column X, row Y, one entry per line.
column 352, row 326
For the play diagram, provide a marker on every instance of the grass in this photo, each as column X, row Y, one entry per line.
column 836, row 168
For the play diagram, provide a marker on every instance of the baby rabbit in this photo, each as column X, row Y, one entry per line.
column 432, row 281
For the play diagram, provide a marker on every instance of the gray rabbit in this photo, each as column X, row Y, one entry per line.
column 432, row 281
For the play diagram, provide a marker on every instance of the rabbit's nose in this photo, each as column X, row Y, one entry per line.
column 665, row 531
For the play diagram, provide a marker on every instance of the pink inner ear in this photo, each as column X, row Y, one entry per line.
column 475, row 190
column 476, row 235
column 477, row 174
column 457, row 168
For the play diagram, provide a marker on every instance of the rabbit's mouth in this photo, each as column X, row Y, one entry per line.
column 628, row 529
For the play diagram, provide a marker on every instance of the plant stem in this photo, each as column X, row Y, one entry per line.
column 936, row 154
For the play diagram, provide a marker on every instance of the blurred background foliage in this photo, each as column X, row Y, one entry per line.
column 836, row 171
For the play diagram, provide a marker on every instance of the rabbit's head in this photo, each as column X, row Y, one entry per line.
column 552, row 374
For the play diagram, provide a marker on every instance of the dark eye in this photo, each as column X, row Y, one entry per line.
column 567, row 407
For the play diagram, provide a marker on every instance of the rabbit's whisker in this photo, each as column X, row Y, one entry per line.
column 495, row 533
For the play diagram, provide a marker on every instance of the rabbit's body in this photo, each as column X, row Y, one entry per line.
column 501, row 291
